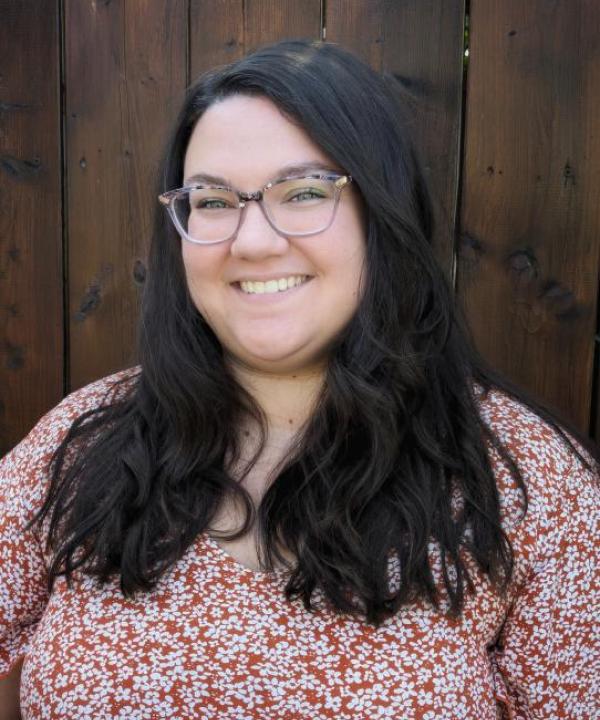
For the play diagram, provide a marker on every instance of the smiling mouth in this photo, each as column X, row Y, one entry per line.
column 269, row 287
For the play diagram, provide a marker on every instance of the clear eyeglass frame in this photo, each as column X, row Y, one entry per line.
column 168, row 198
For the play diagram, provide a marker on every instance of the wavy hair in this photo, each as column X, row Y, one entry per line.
column 396, row 431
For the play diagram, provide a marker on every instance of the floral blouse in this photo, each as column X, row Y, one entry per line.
column 218, row 640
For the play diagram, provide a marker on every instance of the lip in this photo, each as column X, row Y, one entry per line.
column 272, row 276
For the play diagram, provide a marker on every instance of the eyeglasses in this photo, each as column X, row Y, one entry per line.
column 293, row 206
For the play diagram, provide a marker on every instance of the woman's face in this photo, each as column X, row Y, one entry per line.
column 247, row 141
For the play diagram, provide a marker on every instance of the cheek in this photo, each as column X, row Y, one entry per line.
column 202, row 265
column 347, row 257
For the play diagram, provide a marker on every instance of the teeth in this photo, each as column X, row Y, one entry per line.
column 272, row 286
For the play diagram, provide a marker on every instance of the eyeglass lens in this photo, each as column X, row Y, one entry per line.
column 297, row 206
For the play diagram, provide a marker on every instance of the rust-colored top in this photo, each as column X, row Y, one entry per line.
column 217, row 640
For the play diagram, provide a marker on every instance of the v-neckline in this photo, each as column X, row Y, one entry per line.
column 239, row 566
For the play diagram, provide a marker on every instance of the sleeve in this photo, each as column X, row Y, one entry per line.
column 546, row 662
column 23, row 577
column 24, row 478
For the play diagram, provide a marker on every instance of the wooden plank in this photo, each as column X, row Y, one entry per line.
column 266, row 21
column 528, row 266
column 125, row 68
column 31, row 322
column 420, row 43
column 216, row 33
column 224, row 30
column 359, row 26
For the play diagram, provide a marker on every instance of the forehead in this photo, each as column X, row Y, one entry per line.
column 248, row 140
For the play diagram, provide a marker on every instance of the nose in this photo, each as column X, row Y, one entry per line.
column 255, row 238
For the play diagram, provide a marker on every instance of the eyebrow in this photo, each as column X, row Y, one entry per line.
column 284, row 172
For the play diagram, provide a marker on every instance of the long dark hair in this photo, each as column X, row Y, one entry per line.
column 397, row 428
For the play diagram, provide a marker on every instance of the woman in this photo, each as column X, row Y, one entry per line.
column 311, row 499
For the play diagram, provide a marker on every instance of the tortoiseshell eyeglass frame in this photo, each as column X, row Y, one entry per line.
column 167, row 199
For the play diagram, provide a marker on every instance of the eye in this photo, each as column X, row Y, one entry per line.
column 306, row 194
column 212, row 201
column 209, row 204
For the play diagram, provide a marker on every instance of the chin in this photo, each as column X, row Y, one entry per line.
column 277, row 361
column 269, row 349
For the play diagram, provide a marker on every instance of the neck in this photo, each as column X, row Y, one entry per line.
column 286, row 399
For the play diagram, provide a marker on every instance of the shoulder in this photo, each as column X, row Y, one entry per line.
column 562, row 488
column 27, row 464
column 533, row 442
column 88, row 398
column 53, row 426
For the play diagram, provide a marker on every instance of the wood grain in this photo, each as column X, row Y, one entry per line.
column 224, row 43
column 31, row 312
column 267, row 21
column 420, row 44
column 125, row 73
column 239, row 26
column 359, row 26
column 528, row 240
column 528, row 264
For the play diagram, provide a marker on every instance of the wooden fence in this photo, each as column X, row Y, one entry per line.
column 510, row 135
